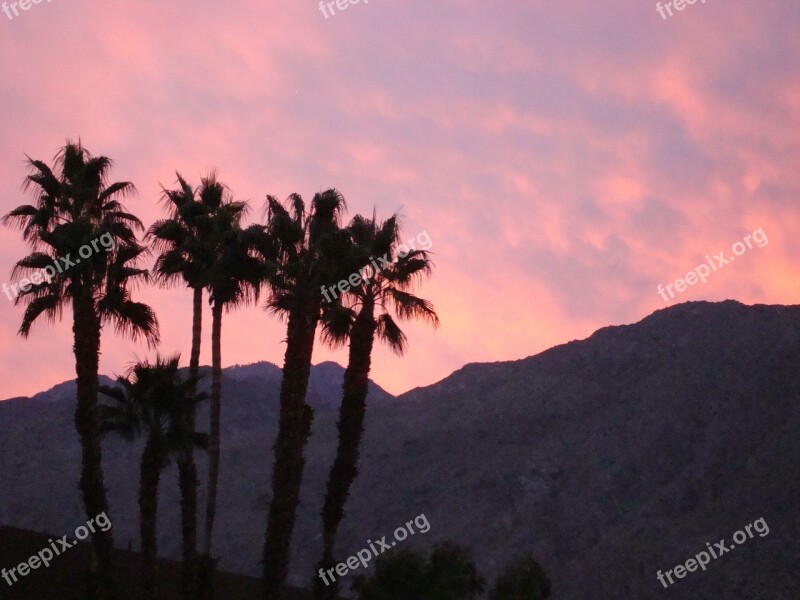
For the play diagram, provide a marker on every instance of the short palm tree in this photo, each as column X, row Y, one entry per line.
column 153, row 400
column 308, row 251
column 74, row 205
column 368, row 304
column 185, row 249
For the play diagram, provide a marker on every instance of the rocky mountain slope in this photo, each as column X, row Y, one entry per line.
column 609, row 458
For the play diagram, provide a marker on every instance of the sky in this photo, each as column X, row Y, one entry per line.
column 565, row 158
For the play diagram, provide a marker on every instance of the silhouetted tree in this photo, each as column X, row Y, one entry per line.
column 367, row 314
column 184, row 243
column 308, row 252
column 74, row 206
column 238, row 270
column 153, row 399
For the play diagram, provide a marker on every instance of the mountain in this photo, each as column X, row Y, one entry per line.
column 324, row 384
column 609, row 459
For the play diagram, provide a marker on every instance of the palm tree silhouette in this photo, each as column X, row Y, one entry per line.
column 308, row 250
column 74, row 206
column 239, row 269
column 384, row 289
column 154, row 400
column 186, row 253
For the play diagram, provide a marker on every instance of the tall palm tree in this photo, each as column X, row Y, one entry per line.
column 186, row 252
column 154, row 400
column 73, row 206
column 368, row 305
column 308, row 245
column 238, row 271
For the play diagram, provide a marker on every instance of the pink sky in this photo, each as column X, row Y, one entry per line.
column 565, row 157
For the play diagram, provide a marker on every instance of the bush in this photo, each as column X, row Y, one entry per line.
column 523, row 579
column 449, row 574
column 453, row 574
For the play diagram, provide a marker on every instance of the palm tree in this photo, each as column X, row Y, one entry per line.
column 369, row 304
column 238, row 270
column 153, row 399
column 186, row 253
column 73, row 207
column 307, row 252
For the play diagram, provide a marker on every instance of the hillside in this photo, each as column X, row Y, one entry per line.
column 610, row 458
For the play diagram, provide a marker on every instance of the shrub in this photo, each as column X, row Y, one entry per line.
column 524, row 579
column 449, row 574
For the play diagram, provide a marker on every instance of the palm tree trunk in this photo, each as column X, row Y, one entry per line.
column 216, row 410
column 187, row 471
column 351, row 427
column 197, row 326
column 148, row 507
column 294, row 428
column 86, row 333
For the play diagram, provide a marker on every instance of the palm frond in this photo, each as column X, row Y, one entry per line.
column 337, row 321
column 50, row 305
column 390, row 333
column 408, row 306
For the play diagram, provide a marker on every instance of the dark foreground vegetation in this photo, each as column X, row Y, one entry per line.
column 448, row 573
column 68, row 576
